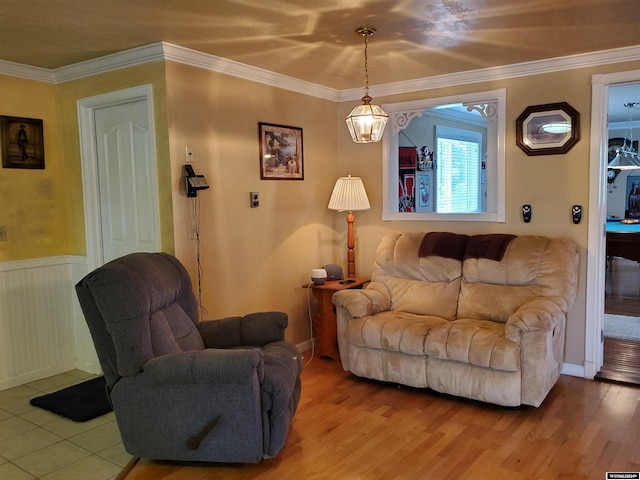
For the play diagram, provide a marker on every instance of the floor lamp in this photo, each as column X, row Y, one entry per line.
column 349, row 195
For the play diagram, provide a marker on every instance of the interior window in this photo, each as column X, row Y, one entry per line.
column 443, row 159
column 458, row 178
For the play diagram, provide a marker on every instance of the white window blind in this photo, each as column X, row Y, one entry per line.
column 458, row 170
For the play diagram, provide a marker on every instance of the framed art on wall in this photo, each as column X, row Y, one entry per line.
column 632, row 197
column 425, row 191
column 553, row 128
column 22, row 142
column 280, row 152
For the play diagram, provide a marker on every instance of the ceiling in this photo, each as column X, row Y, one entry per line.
column 315, row 40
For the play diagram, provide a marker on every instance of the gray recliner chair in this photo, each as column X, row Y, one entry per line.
column 213, row 391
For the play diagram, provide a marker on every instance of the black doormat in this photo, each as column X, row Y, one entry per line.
column 80, row 402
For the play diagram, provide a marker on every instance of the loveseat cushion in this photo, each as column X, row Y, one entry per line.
column 420, row 285
column 392, row 331
column 531, row 267
column 476, row 342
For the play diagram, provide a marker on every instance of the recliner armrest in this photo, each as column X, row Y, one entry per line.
column 255, row 329
column 375, row 298
column 538, row 314
column 205, row 367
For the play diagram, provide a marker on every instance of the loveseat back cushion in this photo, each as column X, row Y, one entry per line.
column 148, row 307
column 419, row 285
column 532, row 266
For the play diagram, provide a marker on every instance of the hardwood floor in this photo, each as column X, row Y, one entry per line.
column 622, row 287
column 351, row 428
column 621, row 359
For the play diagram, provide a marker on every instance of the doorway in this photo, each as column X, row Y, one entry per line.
column 117, row 137
column 596, row 244
column 621, row 347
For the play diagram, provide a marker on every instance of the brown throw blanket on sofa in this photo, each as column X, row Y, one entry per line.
column 457, row 246
column 443, row 244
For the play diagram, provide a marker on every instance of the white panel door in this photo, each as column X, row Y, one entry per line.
column 126, row 180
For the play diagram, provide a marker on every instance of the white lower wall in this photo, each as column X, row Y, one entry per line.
column 42, row 330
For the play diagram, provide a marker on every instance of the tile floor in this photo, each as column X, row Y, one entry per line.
column 37, row 444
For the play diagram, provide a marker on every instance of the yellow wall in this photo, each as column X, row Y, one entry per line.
column 252, row 258
column 551, row 183
column 257, row 259
column 33, row 204
column 43, row 209
column 68, row 95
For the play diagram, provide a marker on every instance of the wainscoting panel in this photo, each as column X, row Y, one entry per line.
column 38, row 318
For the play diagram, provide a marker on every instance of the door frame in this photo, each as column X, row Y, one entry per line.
column 89, row 161
column 596, row 242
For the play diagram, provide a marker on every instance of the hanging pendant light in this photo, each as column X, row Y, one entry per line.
column 366, row 122
column 626, row 157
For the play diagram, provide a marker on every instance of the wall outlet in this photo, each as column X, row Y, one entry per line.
column 255, row 199
column 193, row 232
column 188, row 153
column 3, row 233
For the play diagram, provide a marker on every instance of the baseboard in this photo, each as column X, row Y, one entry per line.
column 88, row 367
column 305, row 346
column 572, row 370
column 34, row 376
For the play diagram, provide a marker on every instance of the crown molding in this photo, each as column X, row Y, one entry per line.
column 538, row 67
column 176, row 53
column 25, row 71
column 109, row 63
column 162, row 51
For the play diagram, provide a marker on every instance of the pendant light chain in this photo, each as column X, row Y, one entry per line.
column 629, row 106
column 366, row 63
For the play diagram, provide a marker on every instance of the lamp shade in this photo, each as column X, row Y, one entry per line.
column 349, row 195
column 624, row 161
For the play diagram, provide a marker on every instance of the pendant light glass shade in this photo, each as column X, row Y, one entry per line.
column 366, row 122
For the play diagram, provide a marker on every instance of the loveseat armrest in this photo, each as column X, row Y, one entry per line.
column 256, row 330
column 539, row 314
column 372, row 299
column 205, row 367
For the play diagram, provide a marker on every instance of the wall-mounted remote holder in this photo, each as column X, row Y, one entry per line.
column 526, row 213
column 576, row 213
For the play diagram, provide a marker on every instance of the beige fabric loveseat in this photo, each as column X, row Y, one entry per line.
column 479, row 316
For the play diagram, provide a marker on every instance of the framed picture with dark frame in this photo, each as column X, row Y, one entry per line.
column 281, row 155
column 550, row 129
column 22, row 142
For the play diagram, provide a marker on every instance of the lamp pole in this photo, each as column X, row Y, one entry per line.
column 351, row 254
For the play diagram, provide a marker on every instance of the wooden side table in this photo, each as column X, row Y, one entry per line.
column 324, row 322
